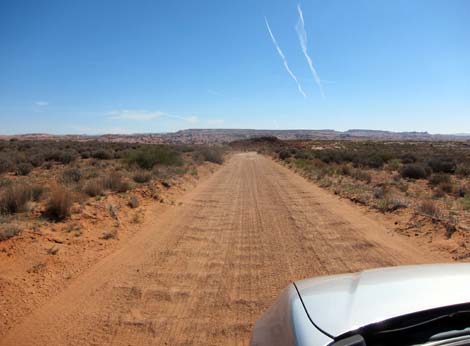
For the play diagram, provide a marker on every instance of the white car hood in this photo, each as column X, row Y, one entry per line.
column 343, row 303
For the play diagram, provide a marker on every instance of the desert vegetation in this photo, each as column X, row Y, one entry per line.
column 51, row 181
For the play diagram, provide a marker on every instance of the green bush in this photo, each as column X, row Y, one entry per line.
column 36, row 160
column 62, row 156
column 414, row 171
column 442, row 165
column 147, row 158
column 6, row 164
column 24, row 168
column 284, row 154
column 72, row 175
column 102, row 155
column 142, row 177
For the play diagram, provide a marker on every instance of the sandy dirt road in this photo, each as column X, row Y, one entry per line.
column 203, row 272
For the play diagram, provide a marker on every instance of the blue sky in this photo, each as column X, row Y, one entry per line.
column 155, row 66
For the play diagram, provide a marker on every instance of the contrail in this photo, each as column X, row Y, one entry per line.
column 284, row 60
column 300, row 28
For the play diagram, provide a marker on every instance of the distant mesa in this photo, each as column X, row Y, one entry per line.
column 214, row 136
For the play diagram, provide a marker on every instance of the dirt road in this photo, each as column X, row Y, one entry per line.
column 201, row 273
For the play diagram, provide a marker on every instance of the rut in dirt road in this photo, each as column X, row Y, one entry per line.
column 203, row 272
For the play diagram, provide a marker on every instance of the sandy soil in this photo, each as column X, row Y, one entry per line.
column 202, row 272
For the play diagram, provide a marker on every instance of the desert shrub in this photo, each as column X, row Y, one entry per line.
column 388, row 205
column 463, row 170
column 59, row 205
column 24, row 168
column 85, row 154
column 393, row 165
column 439, row 178
column 115, row 182
column 344, row 170
column 429, row 208
column 9, row 232
column 372, row 161
column 142, row 177
column 147, row 158
column 447, row 187
column 93, row 188
column 380, row 192
column 6, row 164
column 133, row 202
column 36, row 192
column 214, row 155
column 102, row 155
column 36, row 160
column 463, row 191
column 408, row 158
column 442, row 165
column 284, row 154
column 109, row 235
column 71, row 175
column 303, row 154
column 361, row 175
column 62, row 156
column 414, row 171
column 15, row 198
column 465, row 203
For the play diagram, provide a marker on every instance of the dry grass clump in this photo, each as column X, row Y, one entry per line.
column 8, row 232
column 59, row 205
column 213, row 154
column 93, row 187
column 361, row 176
column 388, row 205
column 116, row 183
column 15, row 199
column 430, row 208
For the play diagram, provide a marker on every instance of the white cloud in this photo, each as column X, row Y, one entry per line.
column 143, row 115
column 302, row 34
column 284, row 60
column 41, row 103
